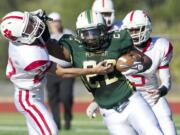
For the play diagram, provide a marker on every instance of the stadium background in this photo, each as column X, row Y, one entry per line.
column 165, row 15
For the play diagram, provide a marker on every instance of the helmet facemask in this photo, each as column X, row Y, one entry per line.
column 140, row 34
column 33, row 29
column 92, row 37
column 108, row 17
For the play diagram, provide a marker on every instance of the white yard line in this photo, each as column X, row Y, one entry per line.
column 77, row 123
column 12, row 128
column 90, row 130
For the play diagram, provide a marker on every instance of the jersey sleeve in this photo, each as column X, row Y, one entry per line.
column 39, row 65
column 125, row 42
column 65, row 41
column 166, row 50
column 165, row 78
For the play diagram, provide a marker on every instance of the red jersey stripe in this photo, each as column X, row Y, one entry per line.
column 35, row 64
column 169, row 49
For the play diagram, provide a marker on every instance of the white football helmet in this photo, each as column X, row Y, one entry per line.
column 106, row 8
column 21, row 27
column 90, row 27
column 139, row 25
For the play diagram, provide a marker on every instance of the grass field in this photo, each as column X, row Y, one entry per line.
column 14, row 124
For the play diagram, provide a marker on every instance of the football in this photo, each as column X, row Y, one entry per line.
column 124, row 62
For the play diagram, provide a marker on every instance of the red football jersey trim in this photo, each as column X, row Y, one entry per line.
column 35, row 65
column 169, row 49
column 164, row 67
column 148, row 43
column 11, row 73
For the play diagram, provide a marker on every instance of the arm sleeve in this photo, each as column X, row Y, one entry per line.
column 164, row 71
column 167, row 54
column 126, row 42
column 64, row 41
column 60, row 62
column 165, row 78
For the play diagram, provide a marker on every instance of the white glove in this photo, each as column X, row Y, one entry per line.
column 91, row 110
column 153, row 96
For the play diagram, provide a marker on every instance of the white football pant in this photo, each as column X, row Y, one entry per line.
column 164, row 116
column 136, row 118
column 38, row 119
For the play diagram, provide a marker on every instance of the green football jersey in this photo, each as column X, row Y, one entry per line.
column 109, row 89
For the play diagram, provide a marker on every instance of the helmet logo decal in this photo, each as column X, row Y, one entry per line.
column 8, row 34
column 131, row 17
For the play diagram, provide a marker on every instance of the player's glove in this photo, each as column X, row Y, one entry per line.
column 41, row 14
column 135, row 68
column 153, row 96
column 91, row 110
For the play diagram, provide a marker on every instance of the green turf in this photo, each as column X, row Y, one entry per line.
column 14, row 124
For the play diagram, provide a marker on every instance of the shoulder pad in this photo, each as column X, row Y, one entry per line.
column 162, row 43
column 67, row 37
column 123, row 33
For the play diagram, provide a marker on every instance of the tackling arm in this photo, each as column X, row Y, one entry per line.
column 164, row 71
column 165, row 77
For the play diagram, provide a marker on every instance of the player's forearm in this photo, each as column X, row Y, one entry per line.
column 165, row 78
column 147, row 62
column 144, row 60
column 73, row 72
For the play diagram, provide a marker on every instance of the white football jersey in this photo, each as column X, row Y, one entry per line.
column 27, row 65
column 160, row 51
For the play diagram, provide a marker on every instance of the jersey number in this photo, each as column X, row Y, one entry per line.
column 95, row 80
column 138, row 80
column 12, row 69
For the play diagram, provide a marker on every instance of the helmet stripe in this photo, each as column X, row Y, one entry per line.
column 11, row 17
column 103, row 4
column 131, row 17
column 89, row 16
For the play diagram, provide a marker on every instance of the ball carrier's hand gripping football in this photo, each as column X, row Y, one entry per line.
column 129, row 64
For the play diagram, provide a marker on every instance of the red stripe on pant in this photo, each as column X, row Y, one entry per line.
column 38, row 112
column 30, row 113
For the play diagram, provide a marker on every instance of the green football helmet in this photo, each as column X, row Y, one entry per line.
column 90, row 27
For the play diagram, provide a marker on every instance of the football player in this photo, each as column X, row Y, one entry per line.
column 121, row 106
column 106, row 8
column 160, row 50
column 27, row 66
